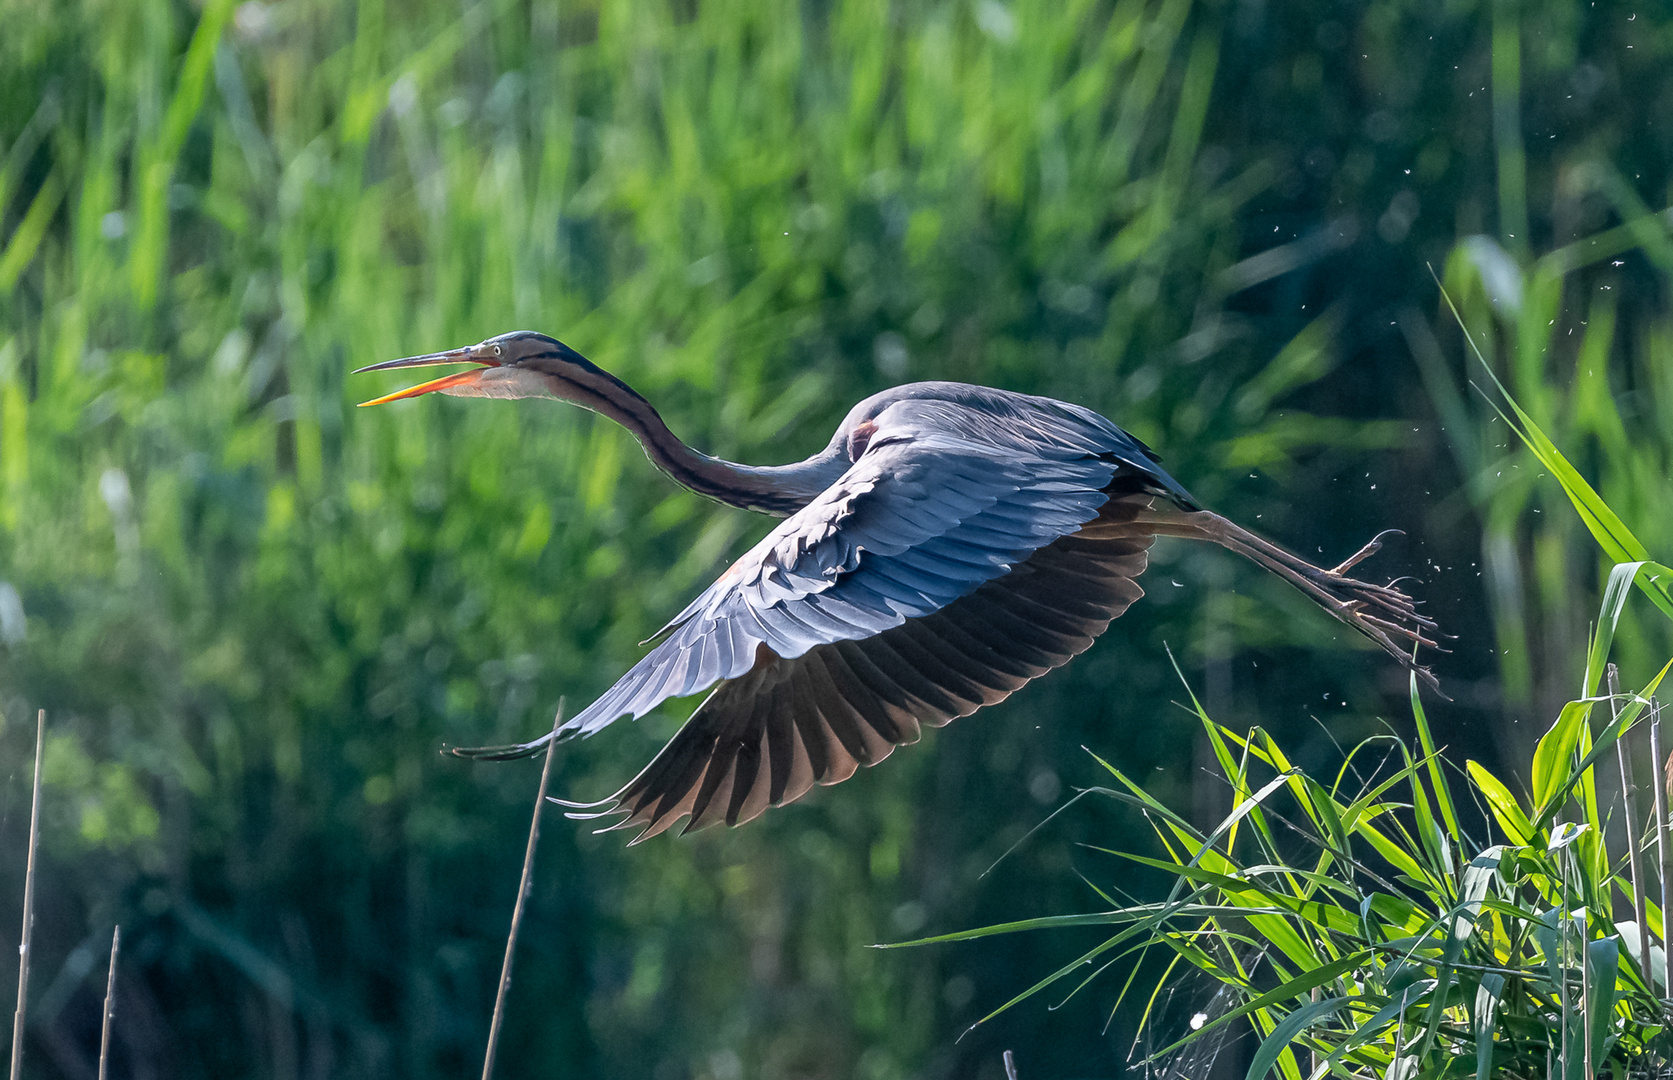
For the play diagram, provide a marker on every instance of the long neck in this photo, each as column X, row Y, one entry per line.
column 780, row 490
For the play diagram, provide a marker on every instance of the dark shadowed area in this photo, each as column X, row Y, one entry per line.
column 255, row 614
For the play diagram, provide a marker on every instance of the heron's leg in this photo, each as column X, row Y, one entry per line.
column 1380, row 612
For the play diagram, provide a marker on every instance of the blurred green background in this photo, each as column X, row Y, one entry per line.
column 255, row 614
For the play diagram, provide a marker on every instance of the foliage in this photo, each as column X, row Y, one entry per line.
column 1406, row 948
column 1363, row 930
column 1504, row 957
column 1555, row 336
column 254, row 614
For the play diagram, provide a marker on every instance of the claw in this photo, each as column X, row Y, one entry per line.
column 1372, row 546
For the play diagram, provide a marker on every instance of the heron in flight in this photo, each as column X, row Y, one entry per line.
column 950, row 544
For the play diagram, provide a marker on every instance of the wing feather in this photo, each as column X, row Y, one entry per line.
column 962, row 555
column 767, row 737
column 834, row 718
column 842, row 720
column 882, row 546
column 780, row 740
column 810, row 729
column 928, row 701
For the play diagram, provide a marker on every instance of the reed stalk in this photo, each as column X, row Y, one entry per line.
column 110, row 1004
column 1563, row 926
column 1664, row 851
column 522, row 902
column 1635, row 839
column 28, row 904
column 1583, row 936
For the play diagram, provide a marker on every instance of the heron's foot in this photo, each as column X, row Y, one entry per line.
column 1383, row 613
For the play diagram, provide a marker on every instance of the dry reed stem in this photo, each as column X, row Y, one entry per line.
column 522, row 901
column 1663, row 848
column 28, row 903
column 1629, row 803
column 1585, row 981
column 110, row 1004
column 1563, row 929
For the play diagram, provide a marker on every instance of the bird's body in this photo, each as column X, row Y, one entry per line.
column 950, row 544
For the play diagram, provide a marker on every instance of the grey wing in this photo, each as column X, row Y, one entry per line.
column 917, row 523
column 764, row 738
column 923, row 518
column 927, row 518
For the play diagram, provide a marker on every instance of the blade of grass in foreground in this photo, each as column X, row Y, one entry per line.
column 1611, row 533
column 1443, row 793
column 1289, row 1029
column 1304, row 983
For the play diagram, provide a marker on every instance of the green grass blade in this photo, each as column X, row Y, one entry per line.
column 1615, row 593
column 1061, row 922
column 1443, row 794
column 1554, row 754
column 1488, row 992
column 25, row 240
column 1505, row 809
column 1370, row 1028
column 1605, row 741
column 1460, row 921
column 1606, row 527
column 1297, row 987
column 1603, row 957
column 1396, row 854
column 1286, row 1032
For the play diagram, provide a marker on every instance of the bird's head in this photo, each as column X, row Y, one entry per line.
column 516, row 365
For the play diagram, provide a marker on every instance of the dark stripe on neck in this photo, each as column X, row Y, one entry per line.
column 707, row 476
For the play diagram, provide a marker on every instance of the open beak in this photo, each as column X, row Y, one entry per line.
column 473, row 354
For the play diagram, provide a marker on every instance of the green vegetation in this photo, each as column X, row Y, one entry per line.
column 254, row 614
column 1363, row 925
column 1363, row 929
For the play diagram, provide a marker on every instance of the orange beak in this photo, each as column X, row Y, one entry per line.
column 470, row 355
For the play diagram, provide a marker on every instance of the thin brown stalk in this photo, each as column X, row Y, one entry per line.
column 28, row 903
column 1664, row 851
column 522, row 902
column 1629, row 803
column 110, row 1005
column 1585, row 939
column 1562, row 966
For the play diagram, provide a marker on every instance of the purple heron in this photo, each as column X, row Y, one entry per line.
column 950, row 544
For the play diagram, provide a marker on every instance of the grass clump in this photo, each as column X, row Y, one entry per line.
column 1363, row 929
column 1400, row 944
column 1407, row 919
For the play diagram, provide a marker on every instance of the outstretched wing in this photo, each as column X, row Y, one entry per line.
column 912, row 527
column 881, row 598
column 763, row 738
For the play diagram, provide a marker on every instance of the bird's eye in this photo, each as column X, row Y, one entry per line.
column 499, row 350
